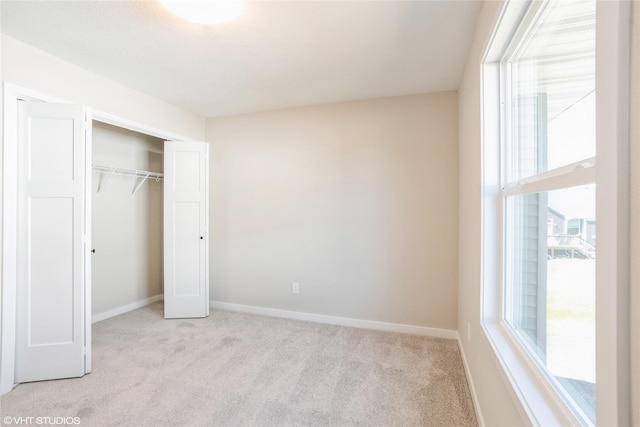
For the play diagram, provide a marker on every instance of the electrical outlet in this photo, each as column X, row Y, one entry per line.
column 468, row 331
column 296, row 288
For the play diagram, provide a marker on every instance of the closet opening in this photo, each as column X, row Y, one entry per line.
column 126, row 220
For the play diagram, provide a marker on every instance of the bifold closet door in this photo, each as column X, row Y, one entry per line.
column 51, row 333
column 186, row 234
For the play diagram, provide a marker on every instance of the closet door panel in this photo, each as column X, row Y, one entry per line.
column 186, row 231
column 50, row 339
column 186, row 236
column 50, row 245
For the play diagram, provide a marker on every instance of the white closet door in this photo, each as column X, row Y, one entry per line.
column 186, row 284
column 52, row 169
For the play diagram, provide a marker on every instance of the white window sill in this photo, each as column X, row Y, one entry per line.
column 538, row 401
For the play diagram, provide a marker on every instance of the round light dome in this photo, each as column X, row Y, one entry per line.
column 205, row 12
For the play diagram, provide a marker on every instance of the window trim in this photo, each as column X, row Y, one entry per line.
column 536, row 398
column 613, row 365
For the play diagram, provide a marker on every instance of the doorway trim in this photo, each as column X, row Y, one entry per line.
column 12, row 94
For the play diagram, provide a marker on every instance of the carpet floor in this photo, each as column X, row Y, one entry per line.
column 238, row 369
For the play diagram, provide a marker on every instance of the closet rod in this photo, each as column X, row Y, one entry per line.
column 112, row 170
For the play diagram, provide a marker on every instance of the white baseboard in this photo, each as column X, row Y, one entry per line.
column 125, row 308
column 334, row 320
column 472, row 388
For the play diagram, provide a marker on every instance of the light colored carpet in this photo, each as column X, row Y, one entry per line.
column 236, row 369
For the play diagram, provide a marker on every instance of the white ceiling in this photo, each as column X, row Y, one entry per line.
column 278, row 54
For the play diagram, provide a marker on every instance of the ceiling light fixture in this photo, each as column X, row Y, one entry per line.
column 205, row 12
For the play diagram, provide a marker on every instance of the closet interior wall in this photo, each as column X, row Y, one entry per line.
column 127, row 229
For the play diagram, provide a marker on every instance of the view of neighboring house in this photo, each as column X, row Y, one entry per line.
column 570, row 237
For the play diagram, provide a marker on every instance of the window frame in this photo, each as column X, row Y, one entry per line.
column 537, row 399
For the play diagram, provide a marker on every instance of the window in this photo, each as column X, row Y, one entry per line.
column 548, row 191
column 549, row 270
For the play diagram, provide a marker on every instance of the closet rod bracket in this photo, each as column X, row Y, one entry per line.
column 109, row 171
column 137, row 186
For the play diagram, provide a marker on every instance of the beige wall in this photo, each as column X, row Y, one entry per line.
column 495, row 401
column 355, row 201
column 635, row 215
column 126, row 231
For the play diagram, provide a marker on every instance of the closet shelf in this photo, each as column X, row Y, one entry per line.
column 140, row 175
